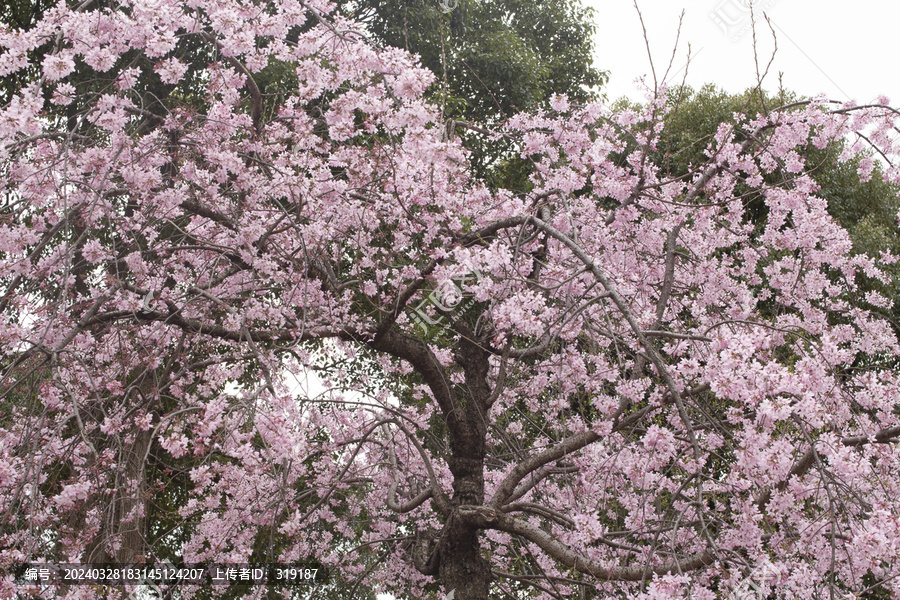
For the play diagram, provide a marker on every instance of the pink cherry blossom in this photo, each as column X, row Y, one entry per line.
column 171, row 70
column 299, row 324
column 57, row 66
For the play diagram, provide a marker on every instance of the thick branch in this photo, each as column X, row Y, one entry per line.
column 521, row 470
column 199, row 210
column 410, row 504
column 489, row 518
column 197, row 326
column 419, row 355
column 536, row 478
column 486, row 233
column 669, row 277
column 540, row 510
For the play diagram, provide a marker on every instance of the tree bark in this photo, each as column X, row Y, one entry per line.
column 463, row 568
column 460, row 565
column 132, row 534
column 127, row 535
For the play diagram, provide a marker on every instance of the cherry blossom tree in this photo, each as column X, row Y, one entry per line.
column 617, row 383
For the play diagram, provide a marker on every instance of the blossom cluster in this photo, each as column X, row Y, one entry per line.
column 225, row 314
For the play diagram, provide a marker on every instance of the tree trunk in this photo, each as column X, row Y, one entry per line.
column 463, row 568
column 129, row 536
column 132, row 535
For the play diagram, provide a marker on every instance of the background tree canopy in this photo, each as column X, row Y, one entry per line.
column 499, row 57
column 492, row 59
column 866, row 207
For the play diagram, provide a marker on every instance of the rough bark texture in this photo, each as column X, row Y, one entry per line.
column 460, row 563
column 122, row 536
column 131, row 535
column 462, row 566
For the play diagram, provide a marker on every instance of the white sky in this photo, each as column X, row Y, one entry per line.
column 845, row 50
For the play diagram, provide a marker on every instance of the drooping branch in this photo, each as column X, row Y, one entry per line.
column 193, row 325
column 488, row 517
column 805, row 463
column 625, row 311
column 434, row 489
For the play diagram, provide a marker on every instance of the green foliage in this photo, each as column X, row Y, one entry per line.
column 21, row 15
column 866, row 209
column 499, row 57
column 492, row 59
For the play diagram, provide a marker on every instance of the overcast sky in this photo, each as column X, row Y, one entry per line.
column 846, row 50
